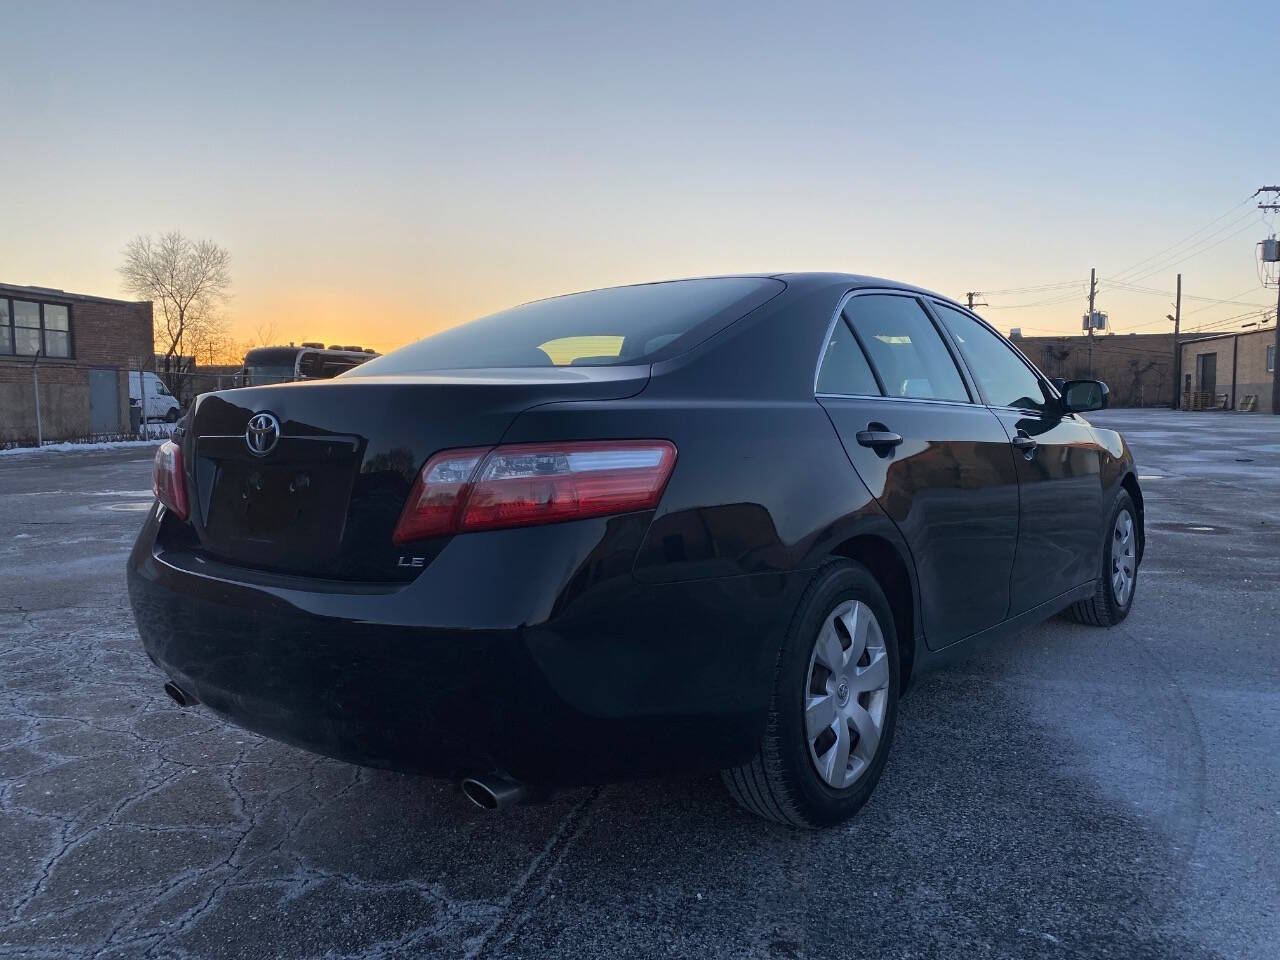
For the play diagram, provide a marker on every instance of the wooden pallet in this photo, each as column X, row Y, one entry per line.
column 1203, row 400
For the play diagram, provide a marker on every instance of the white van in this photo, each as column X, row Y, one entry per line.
column 161, row 404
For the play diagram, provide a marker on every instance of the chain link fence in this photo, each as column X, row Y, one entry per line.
column 44, row 403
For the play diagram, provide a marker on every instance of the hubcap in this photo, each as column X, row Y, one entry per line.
column 1124, row 558
column 846, row 694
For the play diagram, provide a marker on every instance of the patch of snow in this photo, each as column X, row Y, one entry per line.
column 79, row 447
column 156, row 432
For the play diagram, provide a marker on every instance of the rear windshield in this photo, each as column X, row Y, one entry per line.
column 619, row 325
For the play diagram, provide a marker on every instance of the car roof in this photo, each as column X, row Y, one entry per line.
column 831, row 278
column 810, row 280
column 819, row 279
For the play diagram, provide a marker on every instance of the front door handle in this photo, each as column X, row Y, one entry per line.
column 878, row 440
column 1026, row 444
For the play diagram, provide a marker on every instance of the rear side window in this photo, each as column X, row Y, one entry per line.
column 619, row 325
column 844, row 368
column 1005, row 381
column 905, row 348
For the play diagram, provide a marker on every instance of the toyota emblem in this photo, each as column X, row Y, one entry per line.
column 262, row 434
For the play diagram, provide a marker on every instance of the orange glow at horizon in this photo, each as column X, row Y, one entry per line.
column 382, row 323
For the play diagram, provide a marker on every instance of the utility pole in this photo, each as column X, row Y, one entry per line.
column 1275, row 376
column 1093, row 289
column 970, row 295
column 1177, row 347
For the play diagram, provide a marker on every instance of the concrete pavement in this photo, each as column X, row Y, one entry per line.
column 1069, row 792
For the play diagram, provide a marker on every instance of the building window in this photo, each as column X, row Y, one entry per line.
column 32, row 329
column 26, row 328
column 1271, row 358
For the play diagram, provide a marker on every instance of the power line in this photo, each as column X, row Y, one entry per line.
column 1210, row 306
column 1225, row 321
column 1075, row 294
column 1197, row 252
column 1035, row 289
column 1199, row 241
column 1196, row 233
column 1211, row 301
column 1132, row 286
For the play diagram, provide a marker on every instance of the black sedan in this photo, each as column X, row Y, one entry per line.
column 714, row 523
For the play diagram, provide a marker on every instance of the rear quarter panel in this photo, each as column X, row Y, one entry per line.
column 761, row 494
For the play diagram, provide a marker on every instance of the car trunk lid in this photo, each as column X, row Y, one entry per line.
column 319, row 489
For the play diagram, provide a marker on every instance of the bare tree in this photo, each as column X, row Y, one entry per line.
column 264, row 335
column 213, row 346
column 229, row 351
column 188, row 281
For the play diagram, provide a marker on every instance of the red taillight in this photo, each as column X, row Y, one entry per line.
column 438, row 493
column 522, row 484
column 166, row 479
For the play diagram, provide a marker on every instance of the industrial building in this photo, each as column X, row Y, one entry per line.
column 65, row 360
column 1137, row 367
column 1230, row 371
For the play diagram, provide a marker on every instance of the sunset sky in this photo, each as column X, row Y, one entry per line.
column 381, row 170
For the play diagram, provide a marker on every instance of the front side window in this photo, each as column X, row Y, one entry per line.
column 1004, row 379
column 32, row 329
column 844, row 369
column 905, row 348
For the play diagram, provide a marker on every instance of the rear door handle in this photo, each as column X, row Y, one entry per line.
column 878, row 439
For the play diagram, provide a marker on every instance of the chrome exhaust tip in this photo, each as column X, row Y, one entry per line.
column 493, row 792
column 178, row 695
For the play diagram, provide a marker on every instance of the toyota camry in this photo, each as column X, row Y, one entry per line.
column 720, row 523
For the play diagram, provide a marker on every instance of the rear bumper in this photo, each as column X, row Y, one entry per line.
column 559, row 672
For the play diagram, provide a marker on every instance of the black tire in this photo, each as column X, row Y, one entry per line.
column 781, row 782
column 1103, row 609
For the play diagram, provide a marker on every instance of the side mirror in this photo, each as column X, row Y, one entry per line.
column 1081, row 396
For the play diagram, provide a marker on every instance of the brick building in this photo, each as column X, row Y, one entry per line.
column 1137, row 367
column 1231, row 368
column 76, row 351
